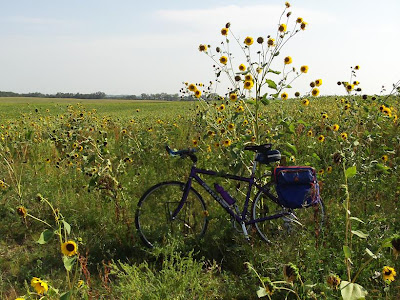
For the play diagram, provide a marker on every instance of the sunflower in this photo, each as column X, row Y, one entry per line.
column 388, row 274
column 321, row 172
column 216, row 145
column 396, row 246
column 284, row 96
column 287, row 60
column 356, row 82
column 287, row 4
column 357, row 67
column 223, row 60
column 333, row 281
column 306, row 102
column 248, row 84
column 227, row 142
column 253, row 138
column 248, row 41
column 310, row 133
column 344, row 135
column 271, row 42
column 329, row 169
column 299, row 20
column 39, row 285
column 231, row 126
column 282, row 28
column 202, row 48
column 347, row 107
column 245, row 122
column 349, row 87
column 304, row 69
column 233, row 96
column 240, row 109
column 192, row 87
column 321, row 138
column 384, row 157
column 22, row 211
column 219, row 121
column 318, row 82
column 248, row 77
column 197, row 94
column 335, row 127
column 224, row 31
column 315, row 92
column 222, row 107
column 303, row 25
column 290, row 272
column 69, row 248
column 195, row 143
column 242, row 67
column 260, row 40
column 387, row 111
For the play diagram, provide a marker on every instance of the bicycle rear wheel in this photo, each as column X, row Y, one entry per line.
column 295, row 221
column 155, row 208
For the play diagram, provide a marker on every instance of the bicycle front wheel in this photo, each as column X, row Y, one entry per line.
column 288, row 221
column 154, row 214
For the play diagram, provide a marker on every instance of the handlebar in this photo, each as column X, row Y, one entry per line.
column 183, row 153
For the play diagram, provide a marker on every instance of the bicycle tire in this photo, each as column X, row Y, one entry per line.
column 310, row 219
column 157, row 204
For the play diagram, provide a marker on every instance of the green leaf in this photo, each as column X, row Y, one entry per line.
column 352, row 291
column 350, row 172
column 288, row 86
column 261, row 292
column 276, row 54
column 69, row 262
column 275, row 72
column 370, row 253
column 360, row 234
column 357, row 219
column 66, row 296
column 67, row 227
column 315, row 155
column 45, row 236
column 292, row 147
column 346, row 251
column 275, row 95
column 271, row 84
column 264, row 99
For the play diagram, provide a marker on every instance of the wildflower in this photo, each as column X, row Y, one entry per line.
column 303, row 25
column 337, row 157
column 248, row 77
column 324, row 116
column 223, row 60
column 304, row 69
column 219, row 121
column 69, row 248
column 259, row 70
column 197, row 94
column 357, row 67
column 282, row 28
column 321, row 138
column 202, row 48
column 253, row 138
column 238, row 78
column 245, row 122
column 395, row 118
column 22, row 211
column 384, row 157
column 242, row 67
column 335, row 127
column 80, row 283
column 309, row 133
column 356, row 82
column 271, row 42
column 231, row 126
column 269, row 286
column 192, row 87
column 224, row 31
column 216, row 145
column 240, row 109
column 388, row 274
column 287, row 4
column 227, row 142
column 344, row 136
column 137, row 110
column 297, row 94
column 299, row 20
column 387, row 111
column 306, row 102
column 248, row 84
column 347, row 107
column 318, row 82
column 39, row 285
column 284, row 96
column 288, row 60
column 329, row 169
column 349, row 87
column 47, row 160
column 195, row 143
column 321, row 172
column 315, row 92
column 396, row 246
column 333, row 281
column 312, row 84
column 248, row 41
column 221, row 107
column 290, row 272
column 260, row 40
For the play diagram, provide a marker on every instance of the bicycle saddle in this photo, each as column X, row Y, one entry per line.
column 259, row 148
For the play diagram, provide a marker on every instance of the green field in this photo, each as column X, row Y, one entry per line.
column 85, row 164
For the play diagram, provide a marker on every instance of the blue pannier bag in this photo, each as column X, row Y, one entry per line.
column 296, row 186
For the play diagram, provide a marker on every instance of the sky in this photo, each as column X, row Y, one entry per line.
column 133, row 47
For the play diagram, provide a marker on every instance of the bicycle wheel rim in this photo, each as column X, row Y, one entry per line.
column 155, row 208
column 309, row 220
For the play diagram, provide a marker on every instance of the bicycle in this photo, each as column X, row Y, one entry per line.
column 173, row 207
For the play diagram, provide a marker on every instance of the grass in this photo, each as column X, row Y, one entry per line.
column 96, row 189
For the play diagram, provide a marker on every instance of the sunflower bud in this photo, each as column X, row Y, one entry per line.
column 227, row 25
column 260, row 40
column 290, row 272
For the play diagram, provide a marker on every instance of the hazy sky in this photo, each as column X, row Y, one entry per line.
column 133, row 47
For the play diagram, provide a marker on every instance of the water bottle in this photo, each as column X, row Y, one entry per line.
column 224, row 194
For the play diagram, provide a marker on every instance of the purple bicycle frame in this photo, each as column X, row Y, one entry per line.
column 239, row 218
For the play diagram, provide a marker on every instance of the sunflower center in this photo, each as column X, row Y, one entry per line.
column 70, row 247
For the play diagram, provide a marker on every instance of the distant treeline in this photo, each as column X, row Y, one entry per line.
column 100, row 95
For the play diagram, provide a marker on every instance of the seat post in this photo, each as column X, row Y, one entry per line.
column 253, row 170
